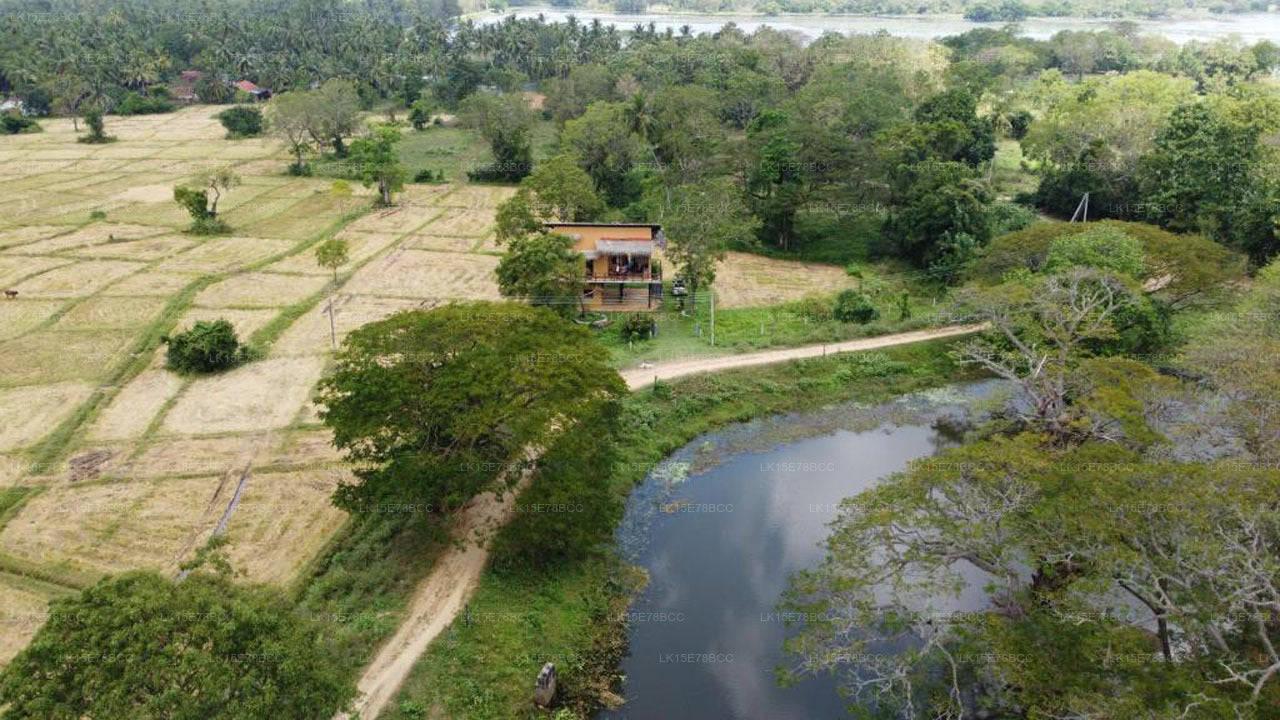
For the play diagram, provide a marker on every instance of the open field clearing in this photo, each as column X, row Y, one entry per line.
column 261, row 395
column 77, row 279
column 259, row 290
column 311, row 333
column 27, row 413
column 24, row 602
column 426, row 274
column 19, row 316
column 744, row 280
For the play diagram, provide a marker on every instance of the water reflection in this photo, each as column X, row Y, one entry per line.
column 720, row 546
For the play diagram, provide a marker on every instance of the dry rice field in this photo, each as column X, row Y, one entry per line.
column 145, row 461
column 117, row 463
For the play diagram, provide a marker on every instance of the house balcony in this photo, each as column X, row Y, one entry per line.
column 614, row 298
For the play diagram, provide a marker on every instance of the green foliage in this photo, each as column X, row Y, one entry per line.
column 332, row 254
column 420, row 113
column 97, row 128
column 604, row 145
column 637, row 326
column 194, row 200
column 1006, row 217
column 505, row 121
column 141, row 645
column 1207, row 173
column 544, row 269
column 853, row 306
column 941, row 217
column 436, row 406
column 704, row 221
column 378, row 164
column 134, row 103
column 1105, row 248
column 207, row 346
column 15, row 124
column 242, row 121
column 427, row 175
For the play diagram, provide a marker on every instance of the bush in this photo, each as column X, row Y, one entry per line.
column 97, row 128
column 14, row 124
column 1106, row 248
column 208, row 346
column 241, row 122
column 426, row 175
column 135, row 104
column 1008, row 217
column 638, row 326
column 299, row 169
column 854, row 306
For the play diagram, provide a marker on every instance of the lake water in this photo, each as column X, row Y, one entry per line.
column 722, row 525
column 1249, row 26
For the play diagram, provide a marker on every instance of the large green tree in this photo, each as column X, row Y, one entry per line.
column 377, row 161
column 705, row 220
column 140, row 645
column 437, row 405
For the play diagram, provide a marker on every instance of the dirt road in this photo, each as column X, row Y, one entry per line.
column 643, row 377
column 444, row 592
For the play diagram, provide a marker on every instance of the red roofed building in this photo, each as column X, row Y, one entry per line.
column 254, row 91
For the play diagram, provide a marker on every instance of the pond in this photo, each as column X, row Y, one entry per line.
column 1249, row 26
column 722, row 525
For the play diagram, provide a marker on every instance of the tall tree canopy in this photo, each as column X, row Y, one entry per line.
column 433, row 406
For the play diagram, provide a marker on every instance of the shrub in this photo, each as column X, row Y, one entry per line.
column 241, row 122
column 97, row 214
column 97, row 129
column 135, row 104
column 14, row 124
column 854, row 306
column 426, row 175
column 637, row 326
column 816, row 308
column 299, row 169
column 208, row 346
column 1008, row 217
column 1106, row 248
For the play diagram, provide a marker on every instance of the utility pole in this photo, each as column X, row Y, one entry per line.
column 333, row 333
column 713, row 318
column 1084, row 205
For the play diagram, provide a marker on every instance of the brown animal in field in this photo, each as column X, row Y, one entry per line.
column 11, row 294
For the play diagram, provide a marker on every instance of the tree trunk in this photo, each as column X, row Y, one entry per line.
column 339, row 148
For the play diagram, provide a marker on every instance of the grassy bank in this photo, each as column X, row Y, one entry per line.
column 484, row 665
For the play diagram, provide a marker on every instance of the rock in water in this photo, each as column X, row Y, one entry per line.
column 544, row 688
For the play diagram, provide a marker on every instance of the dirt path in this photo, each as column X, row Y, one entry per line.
column 644, row 376
column 444, row 592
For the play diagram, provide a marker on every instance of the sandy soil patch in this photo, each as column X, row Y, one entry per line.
column 29, row 413
column 25, row 607
column 246, row 322
column 175, row 457
column 258, row 396
column 428, row 275
column 146, row 250
column 14, row 269
column 744, row 280
column 134, row 407
column 77, row 280
column 19, row 316
column 462, row 222
column 310, row 333
column 49, row 356
column 282, row 521
column 260, row 290
column 224, row 254
column 149, row 283
column 119, row 313
column 360, row 245
column 109, row 527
